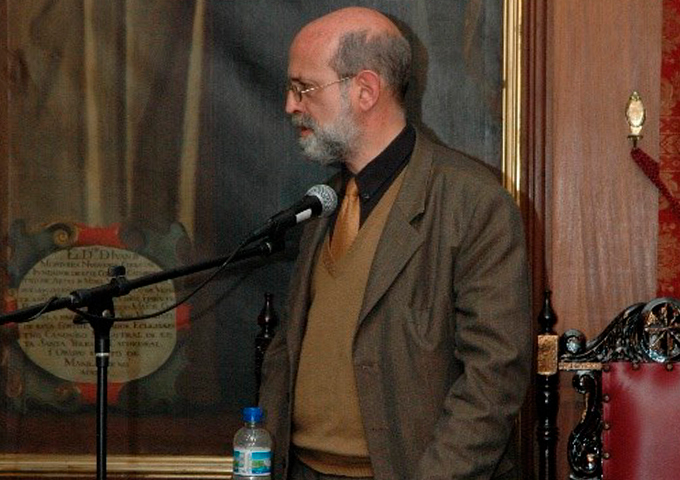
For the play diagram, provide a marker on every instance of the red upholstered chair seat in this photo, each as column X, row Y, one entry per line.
column 641, row 421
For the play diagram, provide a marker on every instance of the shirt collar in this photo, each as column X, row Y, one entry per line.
column 372, row 179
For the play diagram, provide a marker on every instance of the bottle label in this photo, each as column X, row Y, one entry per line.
column 252, row 462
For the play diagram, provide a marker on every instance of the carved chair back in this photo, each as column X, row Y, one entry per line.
column 630, row 381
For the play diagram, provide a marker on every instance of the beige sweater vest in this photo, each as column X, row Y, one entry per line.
column 327, row 429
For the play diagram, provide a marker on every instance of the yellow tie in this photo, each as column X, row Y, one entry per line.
column 347, row 223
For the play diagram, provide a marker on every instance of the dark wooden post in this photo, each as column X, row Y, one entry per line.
column 547, row 395
column 267, row 320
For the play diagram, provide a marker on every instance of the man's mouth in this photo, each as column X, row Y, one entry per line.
column 303, row 125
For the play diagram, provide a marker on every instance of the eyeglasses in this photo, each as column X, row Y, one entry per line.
column 299, row 92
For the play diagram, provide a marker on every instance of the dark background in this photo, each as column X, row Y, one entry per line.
column 454, row 95
column 104, row 89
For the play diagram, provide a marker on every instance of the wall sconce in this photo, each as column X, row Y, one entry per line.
column 635, row 116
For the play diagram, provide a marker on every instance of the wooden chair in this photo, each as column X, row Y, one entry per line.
column 629, row 377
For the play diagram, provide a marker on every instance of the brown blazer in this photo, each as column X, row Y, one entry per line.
column 442, row 351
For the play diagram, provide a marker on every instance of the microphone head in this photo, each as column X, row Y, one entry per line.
column 327, row 197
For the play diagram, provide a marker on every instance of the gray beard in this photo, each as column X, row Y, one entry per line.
column 327, row 145
column 322, row 148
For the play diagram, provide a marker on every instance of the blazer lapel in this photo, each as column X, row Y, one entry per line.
column 400, row 239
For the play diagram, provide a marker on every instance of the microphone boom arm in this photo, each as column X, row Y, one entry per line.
column 120, row 286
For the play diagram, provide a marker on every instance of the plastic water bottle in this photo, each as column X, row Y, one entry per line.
column 252, row 448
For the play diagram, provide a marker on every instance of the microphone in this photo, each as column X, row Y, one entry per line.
column 319, row 201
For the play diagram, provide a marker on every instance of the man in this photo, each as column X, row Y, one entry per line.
column 406, row 350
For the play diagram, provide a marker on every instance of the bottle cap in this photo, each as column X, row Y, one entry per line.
column 252, row 414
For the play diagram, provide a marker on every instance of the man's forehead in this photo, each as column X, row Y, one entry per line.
column 308, row 57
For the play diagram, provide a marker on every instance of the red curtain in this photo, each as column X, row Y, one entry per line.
column 668, row 274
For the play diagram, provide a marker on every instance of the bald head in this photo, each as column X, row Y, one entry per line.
column 353, row 67
column 353, row 39
column 352, row 18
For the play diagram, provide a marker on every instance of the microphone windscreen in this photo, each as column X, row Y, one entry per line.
column 327, row 197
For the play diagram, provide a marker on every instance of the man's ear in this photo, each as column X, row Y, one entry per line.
column 370, row 88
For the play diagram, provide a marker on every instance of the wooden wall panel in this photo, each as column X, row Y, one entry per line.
column 602, row 251
column 601, row 211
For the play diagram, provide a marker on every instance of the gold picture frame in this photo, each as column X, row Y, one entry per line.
column 220, row 467
column 118, row 466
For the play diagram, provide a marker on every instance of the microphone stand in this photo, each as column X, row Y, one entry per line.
column 99, row 302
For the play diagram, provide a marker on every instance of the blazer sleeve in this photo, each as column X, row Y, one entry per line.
column 493, row 342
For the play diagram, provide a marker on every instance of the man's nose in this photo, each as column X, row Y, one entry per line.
column 292, row 104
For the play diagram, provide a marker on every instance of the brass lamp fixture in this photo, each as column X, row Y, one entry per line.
column 635, row 116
